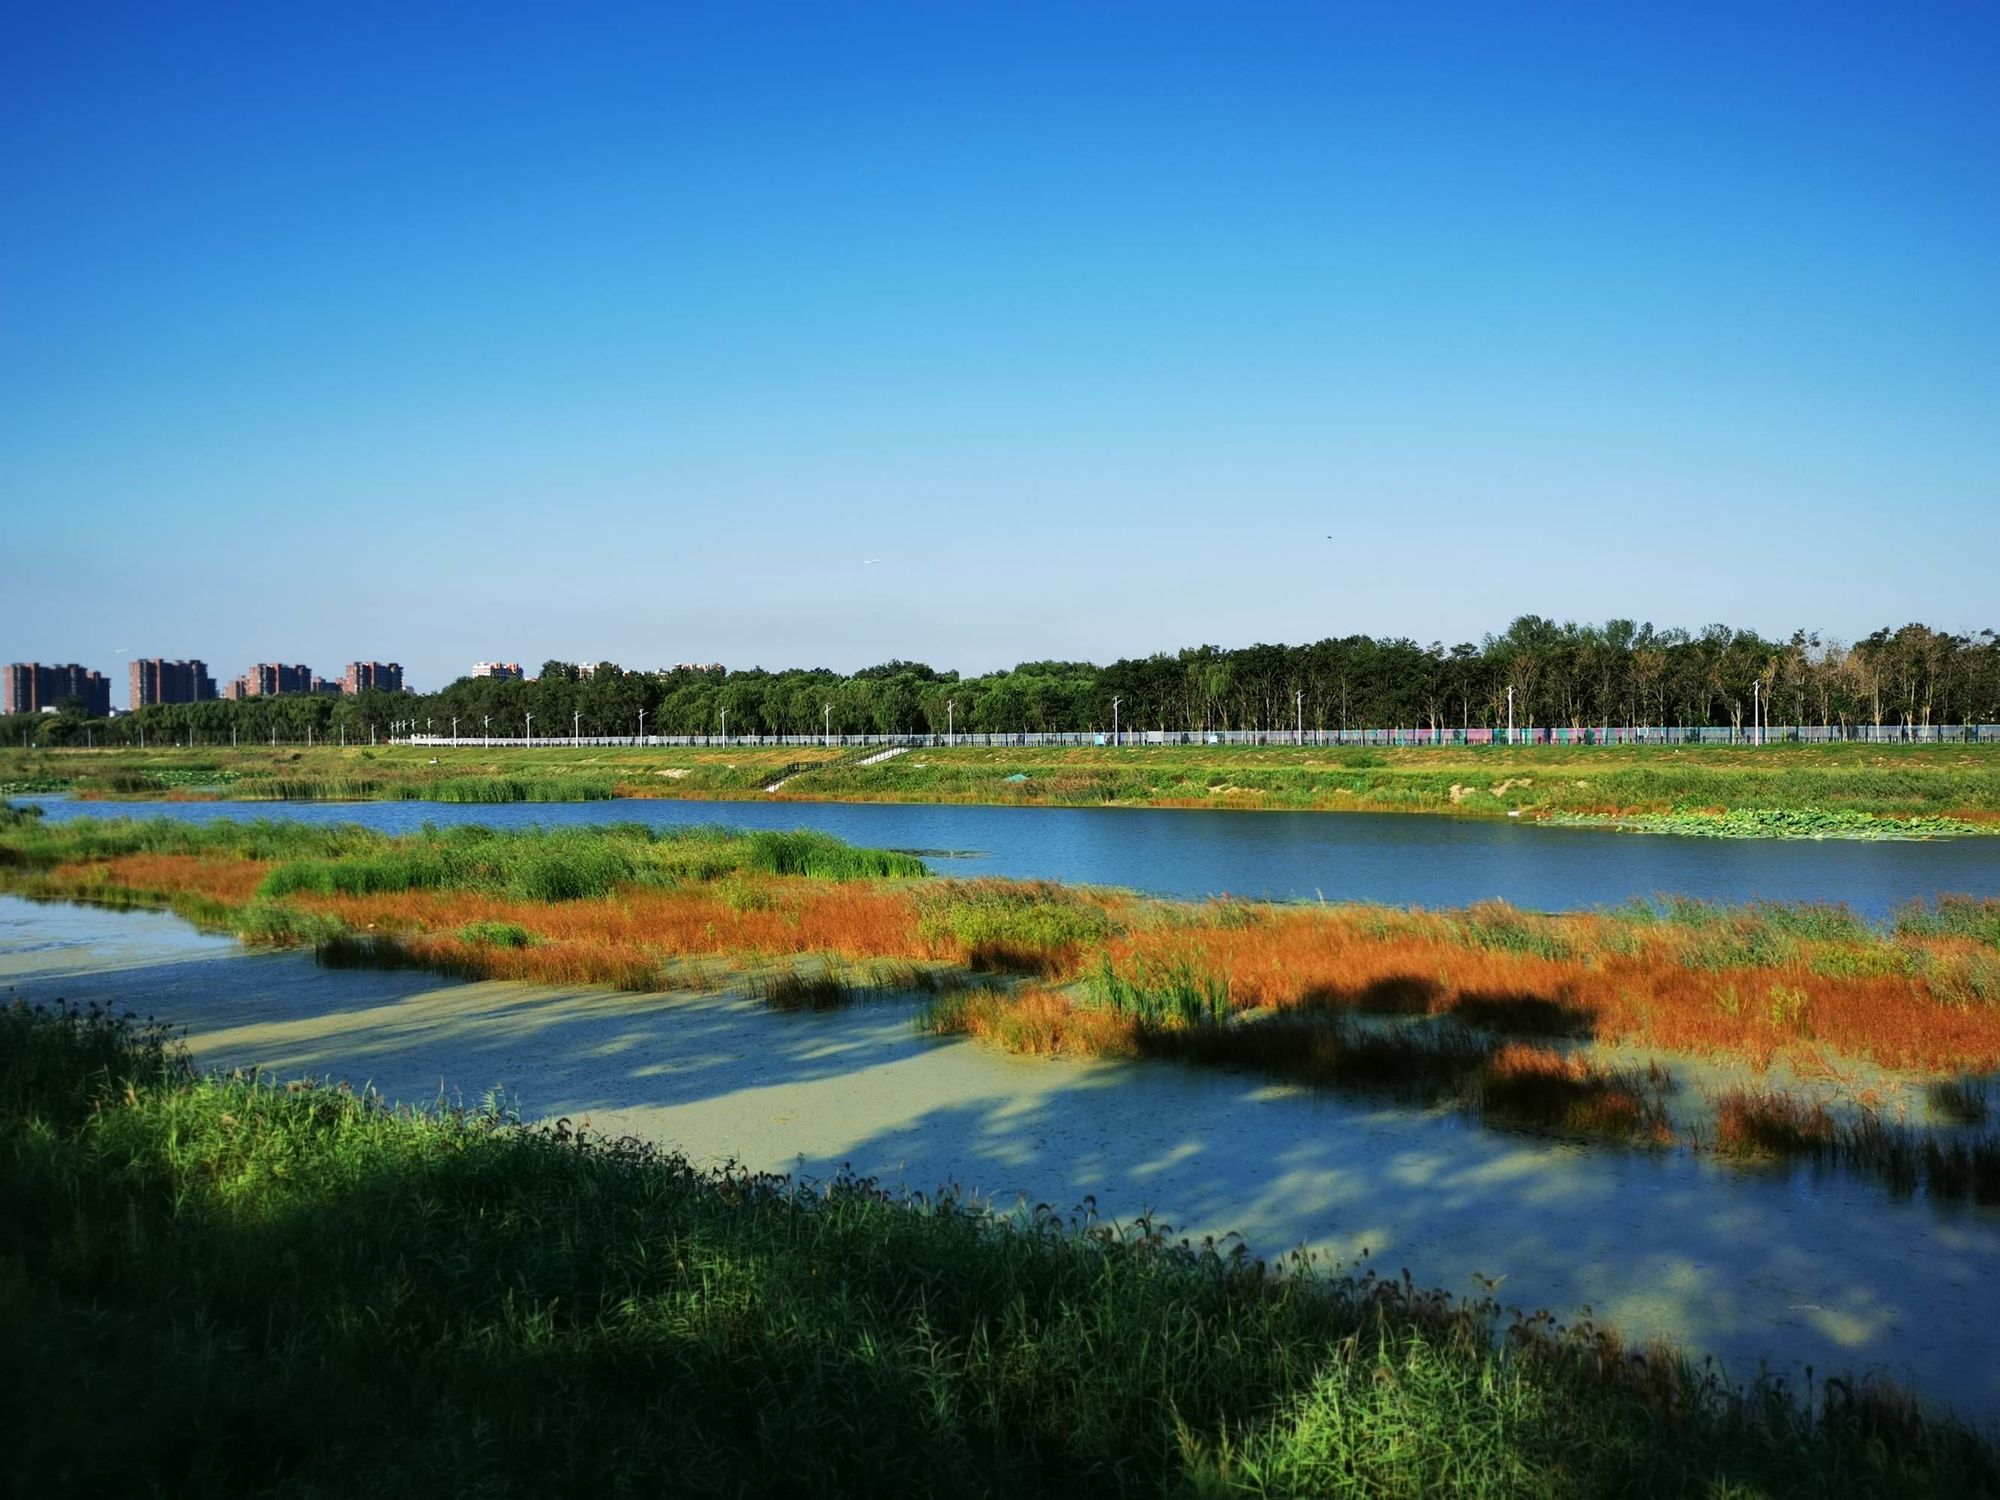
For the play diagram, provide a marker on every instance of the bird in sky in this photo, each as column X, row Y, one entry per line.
column 869, row 562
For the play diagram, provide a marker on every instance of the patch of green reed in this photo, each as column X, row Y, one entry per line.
column 1163, row 992
column 1959, row 979
column 1742, row 945
column 497, row 934
column 1971, row 917
column 255, row 788
column 477, row 789
column 285, row 926
column 805, row 852
column 826, row 990
column 457, row 789
column 1035, row 917
column 535, row 864
column 120, row 784
column 216, row 1286
column 1502, row 928
column 44, row 841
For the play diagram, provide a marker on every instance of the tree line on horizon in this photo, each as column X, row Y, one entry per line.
column 1565, row 675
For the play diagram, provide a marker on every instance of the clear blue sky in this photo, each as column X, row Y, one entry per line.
column 589, row 331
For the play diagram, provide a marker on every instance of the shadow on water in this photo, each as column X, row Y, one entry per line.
column 1748, row 1267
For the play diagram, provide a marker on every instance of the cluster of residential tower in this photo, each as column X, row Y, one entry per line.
column 33, row 687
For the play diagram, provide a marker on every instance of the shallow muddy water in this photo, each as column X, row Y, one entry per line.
column 1408, row 860
column 1753, row 1269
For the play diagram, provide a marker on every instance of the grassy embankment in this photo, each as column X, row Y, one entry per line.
column 215, row 1286
column 1774, row 791
column 1502, row 1012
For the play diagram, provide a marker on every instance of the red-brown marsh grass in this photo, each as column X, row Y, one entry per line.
column 1033, row 1020
column 1733, row 988
column 1773, row 1124
column 1002, row 957
column 1770, row 1122
column 799, row 915
column 796, row 991
column 1751, row 983
column 223, row 878
column 1566, row 1092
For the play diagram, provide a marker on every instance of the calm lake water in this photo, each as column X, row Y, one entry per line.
column 1405, row 861
column 1758, row 1270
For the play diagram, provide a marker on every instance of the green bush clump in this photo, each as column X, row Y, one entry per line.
column 483, row 789
column 804, row 852
column 1501, row 928
column 497, row 934
column 1029, row 917
column 1973, row 917
column 1172, row 993
column 270, row 922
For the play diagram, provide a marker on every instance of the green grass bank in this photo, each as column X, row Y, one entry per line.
column 216, row 1286
column 1771, row 791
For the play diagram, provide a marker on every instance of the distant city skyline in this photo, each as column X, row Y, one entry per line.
column 824, row 335
column 274, row 678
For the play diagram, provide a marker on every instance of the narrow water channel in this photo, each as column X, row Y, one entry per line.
column 1758, row 1270
column 1406, row 860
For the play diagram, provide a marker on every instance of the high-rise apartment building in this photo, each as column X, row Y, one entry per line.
column 506, row 671
column 156, row 680
column 269, row 678
column 32, row 687
column 373, row 676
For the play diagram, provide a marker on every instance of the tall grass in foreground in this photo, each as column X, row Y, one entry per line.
column 217, row 1286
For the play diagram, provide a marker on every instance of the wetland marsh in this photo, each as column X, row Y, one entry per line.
column 1561, row 1109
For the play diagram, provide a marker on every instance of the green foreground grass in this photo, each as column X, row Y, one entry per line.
column 1847, row 786
column 213, row 1285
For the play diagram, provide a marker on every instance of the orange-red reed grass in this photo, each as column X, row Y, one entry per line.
column 1635, row 988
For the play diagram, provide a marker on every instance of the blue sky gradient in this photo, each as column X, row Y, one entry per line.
column 524, row 331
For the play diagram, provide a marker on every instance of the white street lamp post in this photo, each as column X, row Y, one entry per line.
column 576, row 729
column 950, row 735
column 642, row 726
column 725, row 726
column 827, row 729
column 531, row 731
column 1299, row 712
column 1510, row 716
column 486, row 721
column 454, row 731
